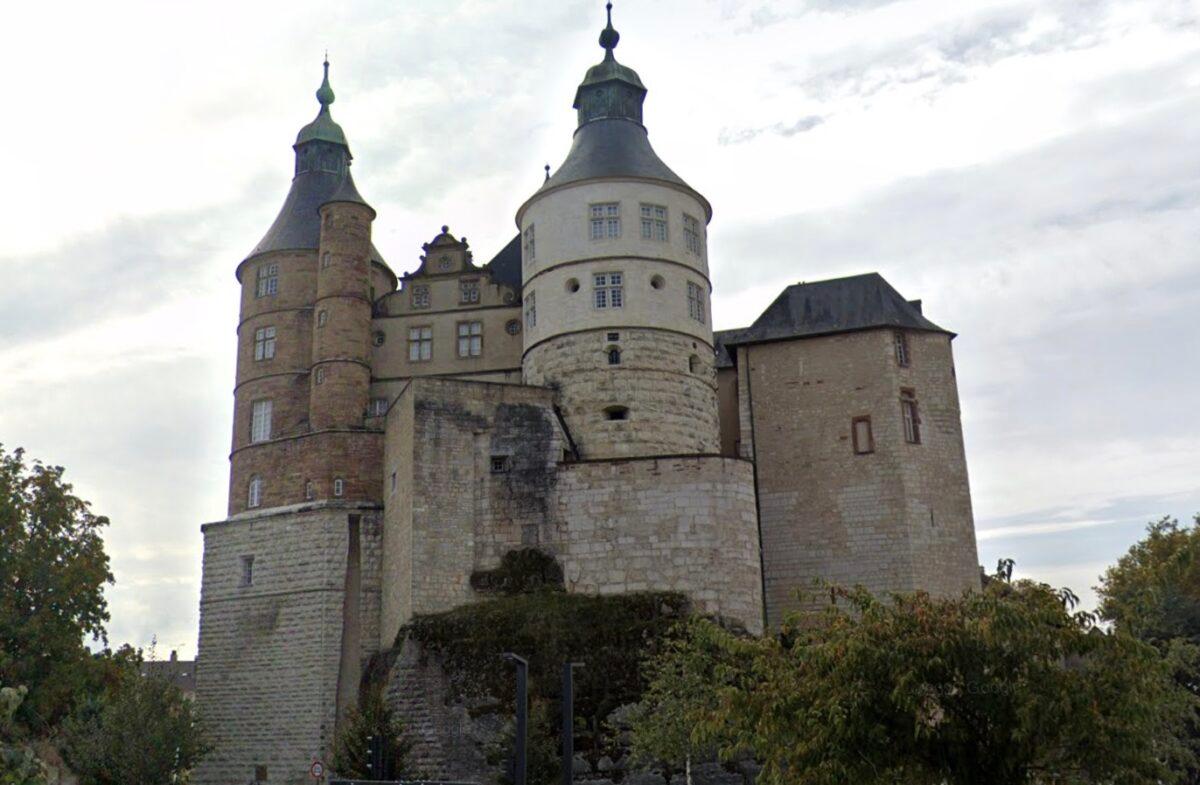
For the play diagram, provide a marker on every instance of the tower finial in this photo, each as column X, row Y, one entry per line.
column 325, row 92
column 547, row 171
column 609, row 36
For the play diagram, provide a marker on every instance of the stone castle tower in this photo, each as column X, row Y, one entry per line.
column 395, row 437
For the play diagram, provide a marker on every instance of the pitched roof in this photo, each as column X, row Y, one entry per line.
column 839, row 305
column 505, row 266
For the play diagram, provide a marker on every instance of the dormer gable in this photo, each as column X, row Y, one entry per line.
column 445, row 255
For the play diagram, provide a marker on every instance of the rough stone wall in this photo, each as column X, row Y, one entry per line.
column 286, row 464
column 895, row 519
column 666, row 380
column 451, row 514
column 684, row 523
column 270, row 653
column 727, row 411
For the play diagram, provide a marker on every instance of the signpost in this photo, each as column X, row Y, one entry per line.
column 317, row 770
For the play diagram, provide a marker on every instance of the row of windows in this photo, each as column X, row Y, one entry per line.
column 863, row 437
column 469, row 335
column 267, row 283
column 468, row 294
column 255, row 488
column 261, row 413
column 604, row 223
column 608, row 291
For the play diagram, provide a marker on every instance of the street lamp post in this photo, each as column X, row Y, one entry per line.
column 520, row 754
column 568, row 721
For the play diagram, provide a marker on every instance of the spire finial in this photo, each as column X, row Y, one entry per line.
column 325, row 92
column 609, row 36
column 547, row 171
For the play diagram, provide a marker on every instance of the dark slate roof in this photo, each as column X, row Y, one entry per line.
column 614, row 148
column 724, row 359
column 505, row 266
column 298, row 225
column 840, row 305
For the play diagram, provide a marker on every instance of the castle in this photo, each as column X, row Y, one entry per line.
column 395, row 437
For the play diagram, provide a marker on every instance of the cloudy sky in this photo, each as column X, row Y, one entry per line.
column 1029, row 168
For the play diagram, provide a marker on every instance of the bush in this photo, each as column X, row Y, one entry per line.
column 351, row 746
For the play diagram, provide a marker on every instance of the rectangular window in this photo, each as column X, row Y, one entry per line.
column 864, row 439
column 902, row 357
column 322, row 318
column 420, row 296
column 691, row 235
column 247, row 570
column 393, row 482
column 260, row 421
column 254, row 495
column 654, row 222
column 470, row 339
column 530, row 310
column 339, row 486
column 468, row 289
column 268, row 280
column 608, row 290
column 530, row 250
column 319, row 376
column 501, row 464
column 911, row 416
column 379, row 407
column 420, row 344
column 605, row 220
column 696, row 308
column 264, row 343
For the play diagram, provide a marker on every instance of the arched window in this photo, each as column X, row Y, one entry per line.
column 614, row 356
column 254, row 496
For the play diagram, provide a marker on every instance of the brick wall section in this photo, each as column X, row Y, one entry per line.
column 672, row 410
column 682, row 524
column 267, row 672
column 897, row 519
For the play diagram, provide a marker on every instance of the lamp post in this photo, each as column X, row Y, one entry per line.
column 519, row 775
column 568, row 721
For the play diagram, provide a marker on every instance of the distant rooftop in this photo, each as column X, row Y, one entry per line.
column 839, row 305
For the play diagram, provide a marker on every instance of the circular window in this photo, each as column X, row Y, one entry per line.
column 378, row 338
column 573, row 285
column 657, row 282
column 512, row 327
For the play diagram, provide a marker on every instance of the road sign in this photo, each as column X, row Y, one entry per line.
column 316, row 770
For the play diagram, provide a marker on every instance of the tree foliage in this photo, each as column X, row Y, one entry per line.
column 1004, row 686
column 18, row 763
column 53, row 570
column 351, row 745
column 144, row 732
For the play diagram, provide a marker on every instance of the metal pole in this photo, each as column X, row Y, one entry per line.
column 568, row 722
column 519, row 770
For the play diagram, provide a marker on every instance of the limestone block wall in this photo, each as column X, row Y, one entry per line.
column 683, row 523
column 666, row 381
column 896, row 518
column 272, row 657
column 450, row 512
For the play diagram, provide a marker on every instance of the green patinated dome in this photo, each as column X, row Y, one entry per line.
column 323, row 128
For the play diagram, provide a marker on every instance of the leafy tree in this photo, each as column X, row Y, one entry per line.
column 53, row 570
column 351, row 750
column 1153, row 593
column 143, row 733
column 1005, row 686
column 18, row 764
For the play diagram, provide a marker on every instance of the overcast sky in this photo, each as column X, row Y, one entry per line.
column 1028, row 168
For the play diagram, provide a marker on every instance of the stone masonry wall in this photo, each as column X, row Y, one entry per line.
column 895, row 519
column 682, row 524
column 270, row 652
column 666, row 380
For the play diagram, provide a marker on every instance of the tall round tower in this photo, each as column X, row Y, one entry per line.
column 616, row 285
column 304, row 373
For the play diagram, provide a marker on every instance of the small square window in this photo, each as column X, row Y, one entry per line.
column 420, row 296
column 468, row 289
column 379, row 407
column 501, row 464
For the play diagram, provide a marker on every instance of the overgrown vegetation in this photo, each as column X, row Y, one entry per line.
column 611, row 635
column 1005, row 686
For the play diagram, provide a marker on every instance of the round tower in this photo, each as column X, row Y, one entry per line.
column 616, row 288
column 303, row 373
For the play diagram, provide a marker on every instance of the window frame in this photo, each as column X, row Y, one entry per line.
column 910, row 416
column 264, row 343
column 261, row 412
column 339, row 487
column 530, row 243
column 655, row 222
column 604, row 221
column 422, row 343
column 530, row 310
column 604, row 288
column 473, row 338
column 254, row 490
column 692, row 238
column 696, row 302
column 421, row 297
column 469, row 291
column 902, row 349
column 266, row 280
column 869, row 447
column 247, row 577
